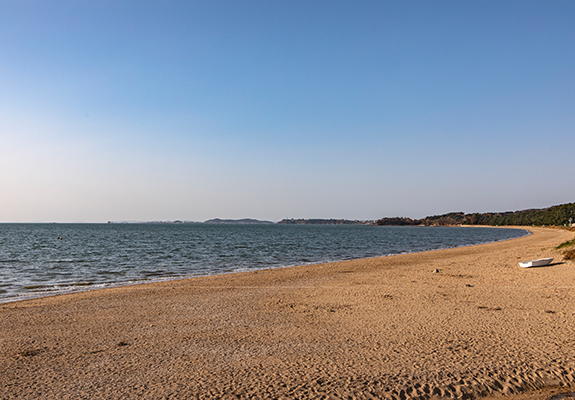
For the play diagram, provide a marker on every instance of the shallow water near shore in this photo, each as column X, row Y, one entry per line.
column 44, row 259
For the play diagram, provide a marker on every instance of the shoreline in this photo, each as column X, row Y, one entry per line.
column 388, row 327
column 83, row 287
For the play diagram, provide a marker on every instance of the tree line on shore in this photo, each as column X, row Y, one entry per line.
column 559, row 215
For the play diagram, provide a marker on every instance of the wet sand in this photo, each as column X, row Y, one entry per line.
column 459, row 323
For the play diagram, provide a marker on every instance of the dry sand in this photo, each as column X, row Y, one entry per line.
column 377, row 328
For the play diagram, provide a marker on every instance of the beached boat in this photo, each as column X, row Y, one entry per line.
column 536, row 263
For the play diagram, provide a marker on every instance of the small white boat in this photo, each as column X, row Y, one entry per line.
column 536, row 263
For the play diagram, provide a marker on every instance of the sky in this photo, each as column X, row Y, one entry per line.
column 190, row 110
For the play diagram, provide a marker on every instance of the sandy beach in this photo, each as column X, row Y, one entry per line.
column 459, row 323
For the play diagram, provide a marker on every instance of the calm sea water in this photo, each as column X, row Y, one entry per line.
column 35, row 262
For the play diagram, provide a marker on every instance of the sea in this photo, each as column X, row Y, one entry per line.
column 47, row 259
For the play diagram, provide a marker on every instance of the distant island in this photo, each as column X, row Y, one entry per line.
column 324, row 222
column 559, row 215
column 244, row 221
column 154, row 222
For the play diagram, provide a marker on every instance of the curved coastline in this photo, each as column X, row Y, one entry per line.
column 96, row 276
column 389, row 327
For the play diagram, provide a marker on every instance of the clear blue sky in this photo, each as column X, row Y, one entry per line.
column 149, row 110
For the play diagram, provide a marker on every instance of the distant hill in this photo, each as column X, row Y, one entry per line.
column 556, row 215
column 324, row 222
column 245, row 221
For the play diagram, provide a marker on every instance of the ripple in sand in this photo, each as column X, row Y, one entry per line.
column 562, row 396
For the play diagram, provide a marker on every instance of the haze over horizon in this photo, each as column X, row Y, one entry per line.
column 140, row 110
